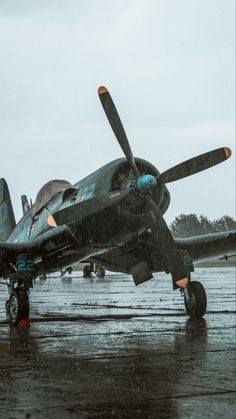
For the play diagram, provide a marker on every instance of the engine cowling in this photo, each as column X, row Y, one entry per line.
column 135, row 203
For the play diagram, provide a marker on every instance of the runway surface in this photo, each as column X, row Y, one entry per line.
column 107, row 349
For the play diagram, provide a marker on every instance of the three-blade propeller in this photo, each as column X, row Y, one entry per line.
column 160, row 230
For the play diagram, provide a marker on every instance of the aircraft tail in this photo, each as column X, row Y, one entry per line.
column 25, row 204
column 7, row 218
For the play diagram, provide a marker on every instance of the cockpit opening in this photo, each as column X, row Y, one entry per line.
column 47, row 192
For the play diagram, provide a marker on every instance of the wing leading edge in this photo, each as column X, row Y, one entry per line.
column 199, row 248
column 209, row 245
column 48, row 243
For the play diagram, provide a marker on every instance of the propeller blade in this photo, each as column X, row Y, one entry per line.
column 195, row 165
column 166, row 245
column 117, row 127
column 80, row 210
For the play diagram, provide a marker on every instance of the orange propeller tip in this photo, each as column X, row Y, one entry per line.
column 51, row 221
column 102, row 89
column 228, row 152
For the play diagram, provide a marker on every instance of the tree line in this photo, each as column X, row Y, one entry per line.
column 186, row 225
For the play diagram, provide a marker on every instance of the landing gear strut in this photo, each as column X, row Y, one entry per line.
column 195, row 299
column 87, row 271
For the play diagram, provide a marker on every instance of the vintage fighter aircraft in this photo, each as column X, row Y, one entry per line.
column 114, row 218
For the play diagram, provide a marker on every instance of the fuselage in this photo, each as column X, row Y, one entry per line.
column 111, row 227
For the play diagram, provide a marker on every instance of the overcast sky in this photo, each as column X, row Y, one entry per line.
column 169, row 66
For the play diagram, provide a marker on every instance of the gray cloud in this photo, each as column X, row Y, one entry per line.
column 170, row 68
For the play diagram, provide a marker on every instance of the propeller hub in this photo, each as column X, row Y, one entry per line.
column 146, row 183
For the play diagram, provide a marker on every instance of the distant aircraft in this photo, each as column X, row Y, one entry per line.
column 112, row 218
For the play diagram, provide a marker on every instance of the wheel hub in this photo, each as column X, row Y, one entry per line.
column 14, row 306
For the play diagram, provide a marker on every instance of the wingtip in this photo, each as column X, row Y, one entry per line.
column 102, row 90
column 228, row 152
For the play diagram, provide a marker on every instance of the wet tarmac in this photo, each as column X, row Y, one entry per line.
column 107, row 349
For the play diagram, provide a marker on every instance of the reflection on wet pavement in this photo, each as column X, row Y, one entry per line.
column 108, row 349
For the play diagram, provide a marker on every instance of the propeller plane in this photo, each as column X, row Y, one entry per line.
column 112, row 218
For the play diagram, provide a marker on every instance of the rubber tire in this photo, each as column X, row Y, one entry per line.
column 22, row 309
column 87, row 271
column 100, row 272
column 198, row 303
column 7, row 305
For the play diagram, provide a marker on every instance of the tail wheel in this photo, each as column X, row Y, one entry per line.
column 197, row 302
column 100, row 272
column 87, row 271
column 18, row 306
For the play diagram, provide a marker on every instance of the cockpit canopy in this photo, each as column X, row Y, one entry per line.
column 47, row 192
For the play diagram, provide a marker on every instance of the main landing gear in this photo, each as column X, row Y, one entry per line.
column 18, row 284
column 18, row 306
column 195, row 299
column 93, row 268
